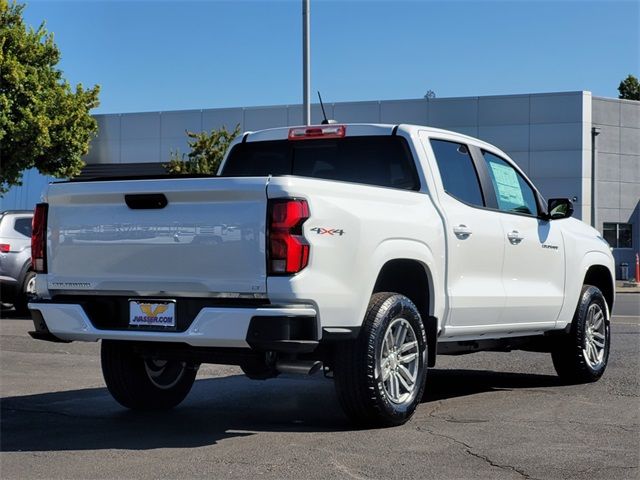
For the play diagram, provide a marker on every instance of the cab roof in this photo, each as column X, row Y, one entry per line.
column 359, row 129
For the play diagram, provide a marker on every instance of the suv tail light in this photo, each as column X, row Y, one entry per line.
column 320, row 131
column 5, row 247
column 288, row 250
column 39, row 239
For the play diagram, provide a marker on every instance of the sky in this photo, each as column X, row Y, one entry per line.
column 172, row 55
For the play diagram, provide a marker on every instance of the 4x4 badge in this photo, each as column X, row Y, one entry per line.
column 328, row 231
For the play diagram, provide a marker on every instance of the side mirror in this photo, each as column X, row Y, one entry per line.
column 558, row 208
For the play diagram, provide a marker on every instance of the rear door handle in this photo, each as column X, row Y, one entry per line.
column 462, row 231
column 514, row 237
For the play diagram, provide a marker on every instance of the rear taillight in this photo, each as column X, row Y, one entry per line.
column 39, row 239
column 319, row 131
column 288, row 249
column 5, row 247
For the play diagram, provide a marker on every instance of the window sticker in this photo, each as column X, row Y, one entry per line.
column 507, row 185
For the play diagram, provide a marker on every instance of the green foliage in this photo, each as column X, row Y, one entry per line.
column 44, row 122
column 207, row 151
column 629, row 88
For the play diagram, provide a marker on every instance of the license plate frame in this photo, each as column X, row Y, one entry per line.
column 152, row 314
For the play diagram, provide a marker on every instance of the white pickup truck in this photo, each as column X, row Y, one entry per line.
column 362, row 249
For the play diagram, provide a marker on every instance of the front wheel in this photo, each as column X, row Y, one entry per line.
column 582, row 355
column 380, row 377
column 142, row 383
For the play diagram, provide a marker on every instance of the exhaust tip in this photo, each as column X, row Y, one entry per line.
column 298, row 367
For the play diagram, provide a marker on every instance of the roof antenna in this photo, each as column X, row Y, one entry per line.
column 326, row 121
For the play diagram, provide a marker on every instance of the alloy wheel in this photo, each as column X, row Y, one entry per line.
column 399, row 361
column 595, row 337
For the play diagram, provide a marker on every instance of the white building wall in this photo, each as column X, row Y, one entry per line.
column 543, row 133
column 618, row 169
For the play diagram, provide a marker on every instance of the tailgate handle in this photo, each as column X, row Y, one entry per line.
column 145, row 201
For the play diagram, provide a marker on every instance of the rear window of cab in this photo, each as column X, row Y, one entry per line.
column 384, row 161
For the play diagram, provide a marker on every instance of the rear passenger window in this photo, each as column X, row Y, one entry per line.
column 23, row 226
column 459, row 176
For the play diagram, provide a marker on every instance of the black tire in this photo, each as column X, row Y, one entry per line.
column 23, row 296
column 362, row 393
column 571, row 354
column 129, row 378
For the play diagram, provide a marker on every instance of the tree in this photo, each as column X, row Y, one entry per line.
column 629, row 88
column 44, row 122
column 207, row 151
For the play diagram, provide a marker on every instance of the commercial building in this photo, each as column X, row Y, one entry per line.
column 556, row 138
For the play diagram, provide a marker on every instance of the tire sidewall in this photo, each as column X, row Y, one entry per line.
column 129, row 383
column 23, row 298
column 393, row 308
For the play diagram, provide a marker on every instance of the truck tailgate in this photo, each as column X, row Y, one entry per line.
column 208, row 239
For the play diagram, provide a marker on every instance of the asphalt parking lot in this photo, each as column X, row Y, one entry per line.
column 487, row 415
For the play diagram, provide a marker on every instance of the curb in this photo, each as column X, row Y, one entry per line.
column 625, row 286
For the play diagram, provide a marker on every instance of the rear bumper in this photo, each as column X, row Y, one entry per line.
column 263, row 328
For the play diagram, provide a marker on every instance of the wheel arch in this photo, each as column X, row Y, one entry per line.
column 413, row 279
column 23, row 272
column 593, row 266
column 600, row 276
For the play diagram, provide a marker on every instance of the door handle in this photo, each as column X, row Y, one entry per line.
column 514, row 237
column 462, row 231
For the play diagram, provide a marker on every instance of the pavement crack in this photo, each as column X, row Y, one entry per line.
column 499, row 465
column 46, row 412
column 470, row 451
column 436, row 407
column 449, row 419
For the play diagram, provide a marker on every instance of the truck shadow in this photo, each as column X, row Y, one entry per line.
column 216, row 409
column 8, row 312
column 443, row 384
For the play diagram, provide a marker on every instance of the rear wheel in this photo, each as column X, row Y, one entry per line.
column 144, row 383
column 582, row 355
column 26, row 292
column 380, row 377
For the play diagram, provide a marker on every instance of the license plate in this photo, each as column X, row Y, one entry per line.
column 152, row 313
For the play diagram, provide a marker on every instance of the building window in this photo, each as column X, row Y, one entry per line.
column 618, row 235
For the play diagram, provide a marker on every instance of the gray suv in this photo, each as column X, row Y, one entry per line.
column 17, row 280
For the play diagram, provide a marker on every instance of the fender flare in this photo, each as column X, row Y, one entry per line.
column 23, row 273
column 406, row 249
column 595, row 258
column 572, row 291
